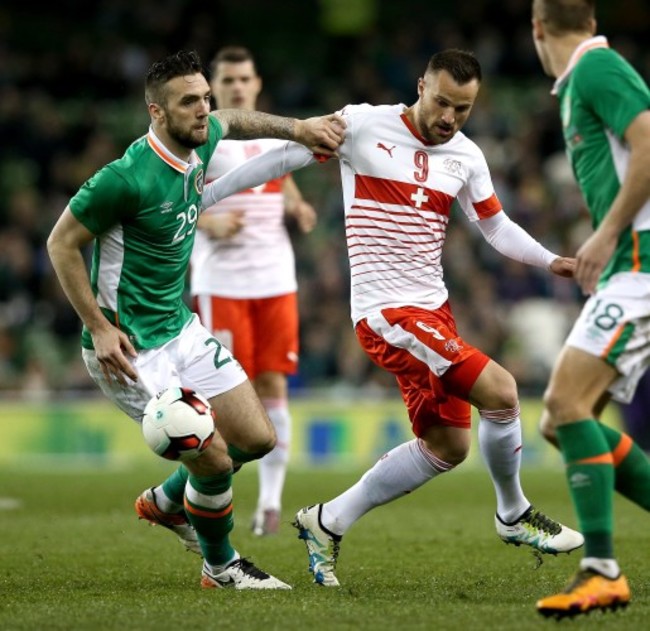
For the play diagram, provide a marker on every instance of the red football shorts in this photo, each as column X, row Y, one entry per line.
column 262, row 333
column 434, row 367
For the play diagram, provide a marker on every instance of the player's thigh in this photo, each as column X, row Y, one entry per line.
column 578, row 382
column 406, row 343
column 275, row 331
column 242, row 420
column 431, row 338
column 210, row 368
column 614, row 326
column 230, row 321
column 156, row 372
column 131, row 399
column 494, row 389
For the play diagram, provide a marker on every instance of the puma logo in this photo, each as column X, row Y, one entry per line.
column 381, row 145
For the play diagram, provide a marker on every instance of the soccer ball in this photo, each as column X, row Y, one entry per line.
column 178, row 424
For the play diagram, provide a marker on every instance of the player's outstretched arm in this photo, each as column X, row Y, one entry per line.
column 321, row 134
column 258, row 170
column 511, row 240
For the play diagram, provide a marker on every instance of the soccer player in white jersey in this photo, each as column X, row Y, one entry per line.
column 139, row 338
column 243, row 279
column 401, row 170
column 605, row 111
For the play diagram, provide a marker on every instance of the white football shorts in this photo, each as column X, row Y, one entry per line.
column 194, row 359
column 614, row 324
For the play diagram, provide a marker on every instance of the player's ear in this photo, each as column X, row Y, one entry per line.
column 156, row 112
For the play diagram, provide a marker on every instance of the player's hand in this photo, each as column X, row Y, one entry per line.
column 321, row 134
column 592, row 257
column 304, row 215
column 222, row 225
column 111, row 348
column 563, row 266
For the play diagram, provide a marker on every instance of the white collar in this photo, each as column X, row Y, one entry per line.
column 168, row 157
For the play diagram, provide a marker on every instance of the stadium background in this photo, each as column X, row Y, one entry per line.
column 71, row 100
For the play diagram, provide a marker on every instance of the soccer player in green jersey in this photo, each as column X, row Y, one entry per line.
column 605, row 111
column 139, row 338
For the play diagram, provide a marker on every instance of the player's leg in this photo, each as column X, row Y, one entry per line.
column 271, row 387
column 606, row 352
column 631, row 463
column 152, row 504
column 442, row 442
column 495, row 395
column 208, row 367
column 577, row 383
column 231, row 322
column 275, row 329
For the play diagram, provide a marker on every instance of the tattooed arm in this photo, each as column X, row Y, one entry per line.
column 321, row 134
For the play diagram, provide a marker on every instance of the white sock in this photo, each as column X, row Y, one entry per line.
column 217, row 569
column 272, row 468
column 499, row 439
column 164, row 503
column 398, row 472
column 606, row 567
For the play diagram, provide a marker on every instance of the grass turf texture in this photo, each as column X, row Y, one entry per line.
column 74, row 556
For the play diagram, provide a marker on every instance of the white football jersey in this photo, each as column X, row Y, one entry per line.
column 258, row 262
column 398, row 191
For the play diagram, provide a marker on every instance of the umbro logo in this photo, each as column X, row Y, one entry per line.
column 389, row 151
column 166, row 207
column 579, row 480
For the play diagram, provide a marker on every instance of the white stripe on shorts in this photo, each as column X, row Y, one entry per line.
column 396, row 336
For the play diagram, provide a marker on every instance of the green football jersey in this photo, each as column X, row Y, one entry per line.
column 143, row 208
column 600, row 95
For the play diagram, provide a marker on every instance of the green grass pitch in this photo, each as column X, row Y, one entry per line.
column 74, row 556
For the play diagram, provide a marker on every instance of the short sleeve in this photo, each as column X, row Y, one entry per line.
column 477, row 198
column 614, row 91
column 104, row 200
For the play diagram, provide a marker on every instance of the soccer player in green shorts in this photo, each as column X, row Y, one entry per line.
column 605, row 111
column 139, row 337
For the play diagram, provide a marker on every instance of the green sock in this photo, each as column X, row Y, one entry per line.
column 174, row 485
column 208, row 506
column 631, row 466
column 590, row 473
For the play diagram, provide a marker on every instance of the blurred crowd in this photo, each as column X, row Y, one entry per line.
column 71, row 100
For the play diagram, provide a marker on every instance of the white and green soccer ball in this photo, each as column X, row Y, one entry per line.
column 178, row 424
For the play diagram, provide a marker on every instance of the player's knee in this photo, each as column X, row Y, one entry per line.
column 263, row 444
column 496, row 389
column 557, row 409
column 547, row 429
column 450, row 452
column 507, row 392
column 253, row 448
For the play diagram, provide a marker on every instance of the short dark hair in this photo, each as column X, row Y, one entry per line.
column 232, row 55
column 565, row 16
column 179, row 64
column 460, row 64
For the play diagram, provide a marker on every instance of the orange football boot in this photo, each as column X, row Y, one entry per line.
column 586, row 591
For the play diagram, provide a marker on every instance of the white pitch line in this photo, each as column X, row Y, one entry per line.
column 10, row 503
